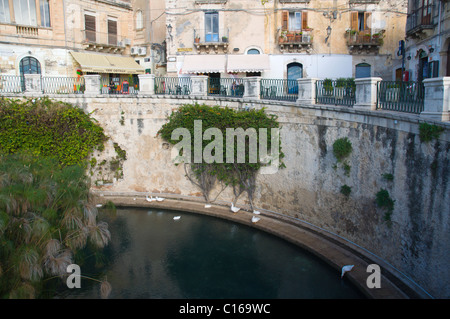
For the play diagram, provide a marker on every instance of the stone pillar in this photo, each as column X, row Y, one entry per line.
column 92, row 84
column 199, row 85
column 33, row 84
column 366, row 93
column 252, row 88
column 146, row 84
column 437, row 99
column 306, row 91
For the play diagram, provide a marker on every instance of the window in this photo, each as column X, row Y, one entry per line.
column 25, row 12
column 426, row 11
column 361, row 21
column 112, row 32
column 139, row 20
column 294, row 20
column 362, row 70
column 433, row 69
column 89, row 27
column 212, row 27
column 253, row 51
column 4, row 11
column 29, row 65
column 45, row 13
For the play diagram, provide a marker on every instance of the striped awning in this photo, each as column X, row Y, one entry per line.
column 248, row 63
column 101, row 63
column 203, row 64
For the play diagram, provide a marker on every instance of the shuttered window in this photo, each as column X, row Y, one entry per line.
column 89, row 27
column 360, row 21
column 294, row 21
column 112, row 32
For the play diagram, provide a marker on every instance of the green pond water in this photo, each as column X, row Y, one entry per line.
column 151, row 255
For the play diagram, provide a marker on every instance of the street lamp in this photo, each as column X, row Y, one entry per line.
column 169, row 30
column 328, row 33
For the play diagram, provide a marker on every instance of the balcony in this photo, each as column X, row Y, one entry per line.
column 209, row 41
column 103, row 42
column 364, row 42
column 419, row 23
column 295, row 41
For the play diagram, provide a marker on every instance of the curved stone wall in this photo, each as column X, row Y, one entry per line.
column 416, row 242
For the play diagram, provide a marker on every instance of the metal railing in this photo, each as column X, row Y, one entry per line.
column 366, row 39
column 226, row 87
column 173, row 85
column 122, row 86
column 421, row 17
column 11, row 84
column 400, row 96
column 279, row 89
column 336, row 92
column 203, row 36
column 109, row 39
column 62, row 85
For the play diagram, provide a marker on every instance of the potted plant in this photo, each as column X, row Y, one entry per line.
column 282, row 37
column 290, row 37
column 225, row 39
column 298, row 36
column 197, row 39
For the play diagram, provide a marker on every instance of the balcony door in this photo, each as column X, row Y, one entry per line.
column 426, row 11
column 211, row 27
column 89, row 28
column 112, row 32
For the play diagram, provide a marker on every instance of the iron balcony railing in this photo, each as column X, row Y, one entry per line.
column 375, row 39
column 400, row 96
column 336, row 92
column 279, row 89
column 226, row 87
column 62, row 85
column 173, row 85
column 120, row 86
column 11, row 84
column 420, row 18
column 202, row 36
column 109, row 39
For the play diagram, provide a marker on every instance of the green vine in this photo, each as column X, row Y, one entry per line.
column 384, row 200
column 241, row 176
column 428, row 132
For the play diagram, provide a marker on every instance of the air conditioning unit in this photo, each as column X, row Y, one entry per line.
column 134, row 50
column 138, row 51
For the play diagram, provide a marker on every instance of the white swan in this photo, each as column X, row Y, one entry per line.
column 207, row 205
column 148, row 199
column 98, row 205
column 256, row 212
column 345, row 269
column 234, row 209
column 255, row 219
column 159, row 199
column 176, row 217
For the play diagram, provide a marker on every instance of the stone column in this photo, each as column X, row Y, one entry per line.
column 306, row 91
column 33, row 84
column 146, row 84
column 252, row 88
column 92, row 84
column 366, row 93
column 437, row 99
column 199, row 85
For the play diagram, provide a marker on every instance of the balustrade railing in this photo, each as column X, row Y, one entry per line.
column 173, row 85
column 11, row 84
column 401, row 96
column 279, row 89
column 336, row 92
column 226, row 87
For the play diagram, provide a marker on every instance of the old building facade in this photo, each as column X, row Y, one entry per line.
column 285, row 38
column 112, row 38
column 427, row 46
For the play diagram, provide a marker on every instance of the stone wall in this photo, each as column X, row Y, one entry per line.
column 416, row 242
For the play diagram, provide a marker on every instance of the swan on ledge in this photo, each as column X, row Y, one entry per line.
column 234, row 209
column 345, row 269
column 255, row 219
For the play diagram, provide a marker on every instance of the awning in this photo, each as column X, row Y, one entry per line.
column 107, row 63
column 203, row 64
column 248, row 63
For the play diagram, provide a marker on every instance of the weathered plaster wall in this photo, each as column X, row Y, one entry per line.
column 417, row 242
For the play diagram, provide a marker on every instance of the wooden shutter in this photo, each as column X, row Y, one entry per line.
column 285, row 20
column 112, row 32
column 304, row 20
column 89, row 27
column 354, row 21
column 367, row 21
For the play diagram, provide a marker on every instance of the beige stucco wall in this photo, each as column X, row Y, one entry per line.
column 309, row 187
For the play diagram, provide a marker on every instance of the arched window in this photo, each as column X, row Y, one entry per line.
column 362, row 70
column 29, row 65
column 294, row 72
column 139, row 20
column 253, row 51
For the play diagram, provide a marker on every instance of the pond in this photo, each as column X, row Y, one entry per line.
column 151, row 255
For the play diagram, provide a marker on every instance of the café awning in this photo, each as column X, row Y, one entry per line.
column 203, row 64
column 248, row 63
column 100, row 63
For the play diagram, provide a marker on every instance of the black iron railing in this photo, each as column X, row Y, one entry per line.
column 279, row 89
column 226, row 87
column 400, row 96
column 173, row 85
column 336, row 92
column 119, row 85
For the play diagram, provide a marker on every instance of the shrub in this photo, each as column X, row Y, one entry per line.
column 342, row 148
column 427, row 132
